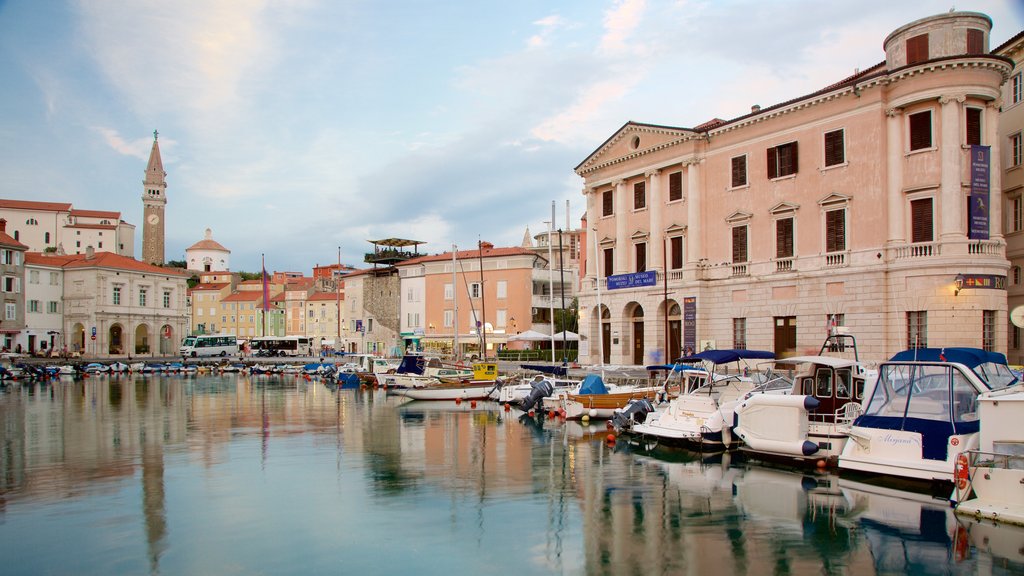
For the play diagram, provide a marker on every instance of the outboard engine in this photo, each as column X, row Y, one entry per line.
column 636, row 411
column 539, row 389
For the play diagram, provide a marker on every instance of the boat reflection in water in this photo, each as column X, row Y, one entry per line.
column 277, row 475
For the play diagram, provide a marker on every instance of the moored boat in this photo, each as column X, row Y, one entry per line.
column 923, row 413
column 810, row 424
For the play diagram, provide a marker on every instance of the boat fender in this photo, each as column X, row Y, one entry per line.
column 808, row 448
column 961, row 471
column 811, row 403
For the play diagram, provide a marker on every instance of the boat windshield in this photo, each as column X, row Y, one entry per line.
column 995, row 375
column 938, row 392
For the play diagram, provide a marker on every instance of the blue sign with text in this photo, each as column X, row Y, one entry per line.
column 634, row 280
column 978, row 207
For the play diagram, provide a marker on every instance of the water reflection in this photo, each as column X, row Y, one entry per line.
column 275, row 474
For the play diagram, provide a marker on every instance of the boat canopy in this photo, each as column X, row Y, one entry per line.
column 674, row 367
column 989, row 366
column 553, row 370
column 726, row 356
column 411, row 364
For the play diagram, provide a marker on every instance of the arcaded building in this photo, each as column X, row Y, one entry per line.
column 873, row 203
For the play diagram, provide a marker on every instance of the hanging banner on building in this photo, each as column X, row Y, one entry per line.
column 634, row 280
column 979, row 203
column 689, row 325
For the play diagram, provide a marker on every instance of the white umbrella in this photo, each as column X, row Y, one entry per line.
column 529, row 336
column 570, row 336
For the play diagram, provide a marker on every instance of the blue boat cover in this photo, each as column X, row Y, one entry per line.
column 553, row 370
column 727, row 356
column 935, row 434
column 592, row 384
column 970, row 357
column 411, row 365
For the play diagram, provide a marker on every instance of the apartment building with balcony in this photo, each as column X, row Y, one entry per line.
column 446, row 298
column 1011, row 141
column 854, row 204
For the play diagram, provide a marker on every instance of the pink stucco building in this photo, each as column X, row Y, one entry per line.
column 852, row 204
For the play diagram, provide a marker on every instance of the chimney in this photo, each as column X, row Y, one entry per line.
column 755, row 108
column 486, row 246
column 89, row 253
column 3, row 225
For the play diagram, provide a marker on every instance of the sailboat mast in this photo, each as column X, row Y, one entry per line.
column 483, row 304
column 600, row 319
column 455, row 299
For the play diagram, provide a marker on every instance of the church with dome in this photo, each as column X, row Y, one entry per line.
column 208, row 255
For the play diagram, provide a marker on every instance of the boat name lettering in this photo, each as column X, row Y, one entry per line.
column 898, row 441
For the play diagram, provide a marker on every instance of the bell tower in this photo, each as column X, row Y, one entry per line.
column 154, row 199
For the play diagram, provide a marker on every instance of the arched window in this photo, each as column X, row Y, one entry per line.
column 32, row 222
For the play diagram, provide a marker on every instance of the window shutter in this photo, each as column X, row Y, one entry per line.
column 608, row 262
column 641, row 257
column 973, row 126
column 921, row 130
column 834, row 150
column 639, row 195
column 675, row 186
column 921, row 220
column 784, row 238
column 739, row 244
column 773, row 169
column 794, row 159
column 606, row 201
column 739, row 171
column 975, row 41
column 917, row 49
column 835, row 231
column 677, row 252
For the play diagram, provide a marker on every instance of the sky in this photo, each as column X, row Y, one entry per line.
column 293, row 129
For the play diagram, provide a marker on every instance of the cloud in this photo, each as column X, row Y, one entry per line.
column 619, row 24
column 138, row 148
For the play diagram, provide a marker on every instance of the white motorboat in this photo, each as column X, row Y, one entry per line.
column 702, row 416
column 812, row 422
column 409, row 374
column 995, row 472
column 923, row 412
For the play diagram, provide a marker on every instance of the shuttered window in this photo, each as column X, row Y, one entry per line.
column 739, row 244
column 639, row 195
column 782, row 160
column 921, row 130
column 739, row 171
column 973, row 126
column 675, row 186
column 921, row 220
column 1015, row 88
column 641, row 257
column 677, row 252
column 975, row 41
column 835, row 231
column 784, row 238
column 609, row 261
column 835, row 148
column 917, row 49
column 606, row 203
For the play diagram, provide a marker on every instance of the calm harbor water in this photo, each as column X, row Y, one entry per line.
column 277, row 475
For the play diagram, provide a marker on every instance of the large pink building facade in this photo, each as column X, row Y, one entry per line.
column 850, row 205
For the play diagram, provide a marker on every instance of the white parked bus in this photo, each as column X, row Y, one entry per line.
column 210, row 345
column 281, row 346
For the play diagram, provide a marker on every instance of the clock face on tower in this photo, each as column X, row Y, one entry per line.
column 152, row 219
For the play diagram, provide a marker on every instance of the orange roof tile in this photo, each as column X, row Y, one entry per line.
column 47, row 259
column 325, row 296
column 118, row 262
column 30, row 205
column 211, row 286
column 96, row 214
column 251, row 296
column 9, row 241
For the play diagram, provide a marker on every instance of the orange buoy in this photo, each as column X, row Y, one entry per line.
column 507, row 406
column 458, row 401
column 961, row 471
column 531, row 413
column 610, row 438
column 472, row 404
column 820, row 464
column 608, row 424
